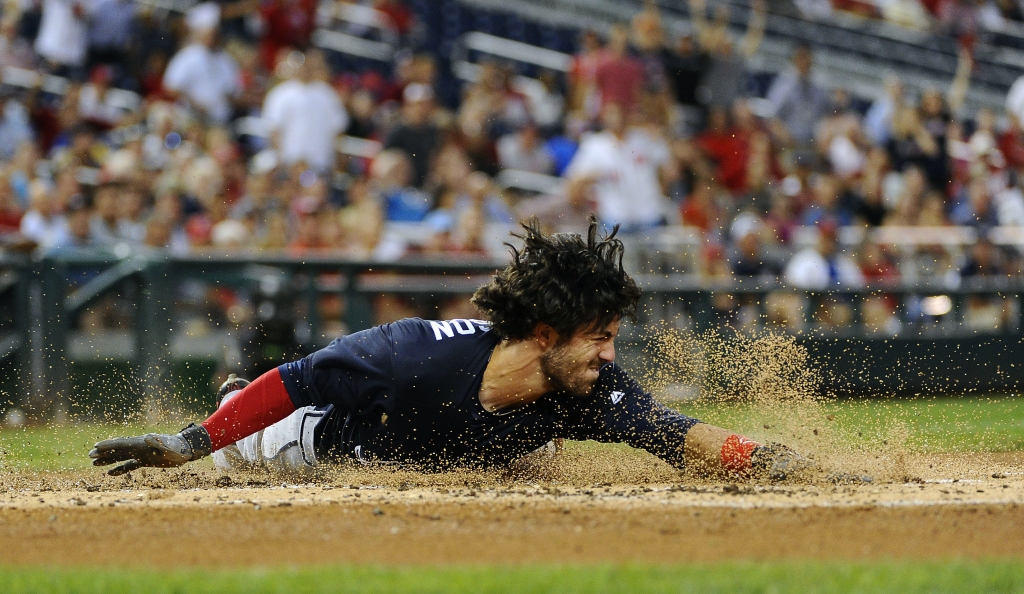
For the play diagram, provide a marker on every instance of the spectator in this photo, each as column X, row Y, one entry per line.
column 479, row 195
column 546, row 103
column 362, row 221
column 727, row 147
column 973, row 207
column 620, row 77
column 798, row 103
column 840, row 138
column 700, row 209
column 202, row 73
column 824, row 266
column 494, row 104
column 879, row 311
column 912, row 145
column 15, row 50
column 829, row 206
column 62, row 39
column 307, row 227
column 750, row 259
column 416, row 133
column 131, row 224
column 525, row 150
column 868, row 206
column 104, row 224
column 79, row 228
column 983, row 261
column 43, row 223
column 111, row 30
column 392, row 172
column 781, row 219
column 724, row 81
column 287, row 24
column 15, row 127
column 685, row 68
column 879, row 117
column 648, row 39
column 583, row 94
column 96, row 105
column 624, row 168
column 10, row 210
column 306, row 116
column 1011, row 142
column 938, row 112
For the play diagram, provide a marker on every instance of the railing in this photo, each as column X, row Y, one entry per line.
column 356, row 19
column 126, row 101
column 980, row 312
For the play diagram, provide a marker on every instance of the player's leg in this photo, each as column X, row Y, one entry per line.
column 285, row 446
column 715, row 450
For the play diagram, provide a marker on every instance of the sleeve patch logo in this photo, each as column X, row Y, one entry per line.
column 616, row 396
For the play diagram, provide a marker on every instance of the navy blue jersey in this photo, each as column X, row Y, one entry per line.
column 409, row 392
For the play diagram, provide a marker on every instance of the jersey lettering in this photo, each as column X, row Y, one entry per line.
column 440, row 327
column 457, row 324
column 448, row 328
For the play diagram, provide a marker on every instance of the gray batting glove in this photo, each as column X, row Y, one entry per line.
column 153, row 449
column 778, row 462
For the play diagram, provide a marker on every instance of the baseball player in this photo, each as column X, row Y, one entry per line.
column 464, row 393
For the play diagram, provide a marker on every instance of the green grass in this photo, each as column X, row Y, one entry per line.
column 949, row 424
column 797, row 577
column 60, row 447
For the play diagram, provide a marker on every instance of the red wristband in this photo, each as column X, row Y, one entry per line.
column 259, row 405
column 736, row 453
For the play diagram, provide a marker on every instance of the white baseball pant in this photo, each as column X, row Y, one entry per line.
column 286, row 446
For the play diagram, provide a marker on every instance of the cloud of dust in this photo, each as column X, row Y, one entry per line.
column 764, row 385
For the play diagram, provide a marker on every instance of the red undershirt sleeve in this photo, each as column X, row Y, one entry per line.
column 260, row 404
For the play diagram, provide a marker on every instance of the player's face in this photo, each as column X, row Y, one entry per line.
column 574, row 365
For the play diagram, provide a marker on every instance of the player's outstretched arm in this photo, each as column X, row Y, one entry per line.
column 153, row 449
column 257, row 406
column 717, row 451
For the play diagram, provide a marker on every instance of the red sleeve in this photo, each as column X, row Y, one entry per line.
column 260, row 404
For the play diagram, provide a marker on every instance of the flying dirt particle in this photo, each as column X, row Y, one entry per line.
column 378, row 511
column 77, row 501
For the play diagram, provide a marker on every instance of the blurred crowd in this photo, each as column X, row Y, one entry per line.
column 238, row 134
column 966, row 20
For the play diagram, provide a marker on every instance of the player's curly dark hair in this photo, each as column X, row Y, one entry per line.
column 561, row 280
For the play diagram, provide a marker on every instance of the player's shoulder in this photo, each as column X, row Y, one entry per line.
column 438, row 330
column 614, row 386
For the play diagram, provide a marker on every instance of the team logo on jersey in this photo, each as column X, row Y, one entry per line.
column 448, row 328
column 616, row 396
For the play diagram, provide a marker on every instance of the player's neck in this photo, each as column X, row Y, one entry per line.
column 513, row 376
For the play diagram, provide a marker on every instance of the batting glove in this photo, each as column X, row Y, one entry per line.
column 778, row 462
column 153, row 449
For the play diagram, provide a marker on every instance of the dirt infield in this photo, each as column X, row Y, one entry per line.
column 947, row 506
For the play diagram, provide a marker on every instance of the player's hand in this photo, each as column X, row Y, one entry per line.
column 778, row 462
column 153, row 449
